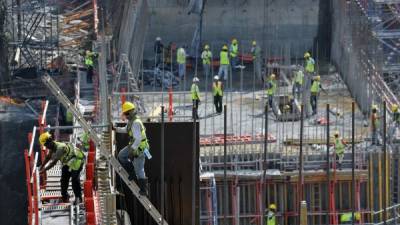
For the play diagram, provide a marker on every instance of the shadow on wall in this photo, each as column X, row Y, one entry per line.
column 296, row 25
column 14, row 128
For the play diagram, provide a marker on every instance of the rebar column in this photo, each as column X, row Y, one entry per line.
column 162, row 161
column 328, row 166
column 263, row 186
column 194, row 167
column 300, row 181
column 353, row 183
column 225, row 201
column 384, row 164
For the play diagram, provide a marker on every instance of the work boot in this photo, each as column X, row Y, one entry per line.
column 65, row 199
column 143, row 186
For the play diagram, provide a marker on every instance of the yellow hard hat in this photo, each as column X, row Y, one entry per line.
column 127, row 106
column 234, row 41
column 357, row 216
column 307, row 54
column 272, row 206
column 318, row 77
column 272, row 76
column 44, row 137
column 374, row 106
column 225, row 47
column 395, row 107
column 206, row 47
column 337, row 133
column 254, row 43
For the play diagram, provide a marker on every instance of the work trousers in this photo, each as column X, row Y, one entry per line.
column 257, row 68
column 270, row 101
column 206, row 70
column 218, row 103
column 195, row 108
column 223, row 70
column 89, row 74
column 158, row 59
column 339, row 160
column 313, row 102
column 234, row 62
column 375, row 139
column 132, row 167
column 182, row 70
column 296, row 90
column 74, row 175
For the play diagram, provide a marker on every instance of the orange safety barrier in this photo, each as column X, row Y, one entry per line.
column 88, row 189
column 90, row 171
column 91, row 157
column 90, row 218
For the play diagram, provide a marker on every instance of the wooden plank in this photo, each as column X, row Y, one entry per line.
column 77, row 15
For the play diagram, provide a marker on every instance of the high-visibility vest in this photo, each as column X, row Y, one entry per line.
column 396, row 117
column 73, row 157
column 144, row 142
column 85, row 140
column 348, row 217
column 270, row 218
column 272, row 87
column 206, row 56
column 69, row 117
column 256, row 52
column 339, row 146
column 375, row 120
column 224, row 59
column 181, row 56
column 89, row 59
column 299, row 77
column 315, row 87
column 217, row 88
column 310, row 65
column 195, row 92
column 234, row 50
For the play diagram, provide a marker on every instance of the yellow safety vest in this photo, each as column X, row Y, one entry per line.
column 234, row 50
column 339, row 146
column 181, row 56
column 89, row 59
column 315, row 87
column 206, row 56
column 224, row 59
column 271, row 90
column 217, row 88
column 270, row 218
column 73, row 157
column 310, row 65
column 299, row 77
column 144, row 142
column 348, row 217
column 195, row 92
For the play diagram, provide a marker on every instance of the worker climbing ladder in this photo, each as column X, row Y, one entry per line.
column 49, row 82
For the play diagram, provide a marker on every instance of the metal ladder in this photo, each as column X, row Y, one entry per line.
column 149, row 207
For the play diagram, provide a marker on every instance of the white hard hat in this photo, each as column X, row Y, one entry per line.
column 216, row 77
column 158, row 39
column 195, row 79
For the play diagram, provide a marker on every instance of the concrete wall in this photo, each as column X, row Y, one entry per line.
column 294, row 24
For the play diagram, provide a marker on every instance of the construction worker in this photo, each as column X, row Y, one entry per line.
column 233, row 52
column 289, row 107
column 89, row 63
column 133, row 156
column 315, row 89
column 218, row 92
column 270, row 217
column 206, row 56
column 339, row 146
column 257, row 59
column 395, row 122
column 181, row 60
column 347, row 218
column 72, row 160
column 223, row 63
column 271, row 89
column 84, row 139
column 309, row 64
column 375, row 125
column 194, row 90
column 298, row 83
column 158, row 51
